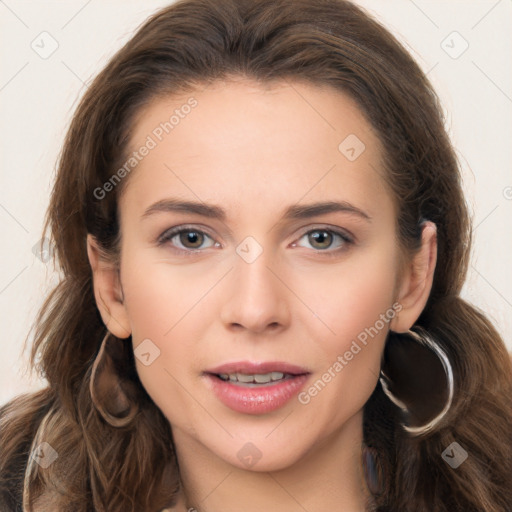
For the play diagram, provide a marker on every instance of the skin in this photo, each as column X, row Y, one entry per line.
column 254, row 150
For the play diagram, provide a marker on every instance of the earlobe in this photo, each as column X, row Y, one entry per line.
column 417, row 280
column 108, row 291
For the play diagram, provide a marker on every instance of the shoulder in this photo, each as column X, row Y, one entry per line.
column 19, row 420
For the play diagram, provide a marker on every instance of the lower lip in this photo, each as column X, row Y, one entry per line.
column 256, row 400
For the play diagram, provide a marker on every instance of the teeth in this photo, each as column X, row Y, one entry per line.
column 240, row 377
column 263, row 379
column 257, row 378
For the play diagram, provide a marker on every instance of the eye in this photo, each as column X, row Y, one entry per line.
column 324, row 239
column 186, row 239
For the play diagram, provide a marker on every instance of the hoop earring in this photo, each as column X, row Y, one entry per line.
column 113, row 394
column 418, row 378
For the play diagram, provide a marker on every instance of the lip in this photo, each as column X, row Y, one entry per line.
column 258, row 367
column 256, row 400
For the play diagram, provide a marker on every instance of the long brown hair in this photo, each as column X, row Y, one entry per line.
column 191, row 43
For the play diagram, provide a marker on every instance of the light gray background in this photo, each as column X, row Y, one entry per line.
column 38, row 96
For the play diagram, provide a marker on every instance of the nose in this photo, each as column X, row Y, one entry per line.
column 258, row 297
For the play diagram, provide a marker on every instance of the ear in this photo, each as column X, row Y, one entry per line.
column 107, row 291
column 416, row 281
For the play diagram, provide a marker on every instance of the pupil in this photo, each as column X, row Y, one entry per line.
column 321, row 237
column 192, row 237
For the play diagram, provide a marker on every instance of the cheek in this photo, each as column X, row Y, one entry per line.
column 157, row 301
column 356, row 303
column 350, row 296
column 161, row 294
column 167, row 305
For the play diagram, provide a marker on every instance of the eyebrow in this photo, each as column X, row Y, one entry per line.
column 321, row 208
column 293, row 212
column 176, row 205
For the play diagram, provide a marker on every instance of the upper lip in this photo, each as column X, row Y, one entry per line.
column 252, row 368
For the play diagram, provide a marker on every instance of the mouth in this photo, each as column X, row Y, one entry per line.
column 256, row 388
column 254, row 380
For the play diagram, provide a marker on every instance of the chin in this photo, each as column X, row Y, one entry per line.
column 261, row 454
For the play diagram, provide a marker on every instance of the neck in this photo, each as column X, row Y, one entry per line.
column 328, row 477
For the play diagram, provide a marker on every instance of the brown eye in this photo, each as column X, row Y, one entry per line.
column 326, row 240
column 183, row 239
column 191, row 239
column 321, row 237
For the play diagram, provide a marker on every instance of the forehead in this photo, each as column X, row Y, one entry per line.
column 244, row 141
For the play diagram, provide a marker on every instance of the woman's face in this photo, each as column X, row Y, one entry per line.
column 259, row 329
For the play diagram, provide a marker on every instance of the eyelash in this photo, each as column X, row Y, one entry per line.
column 168, row 235
column 171, row 233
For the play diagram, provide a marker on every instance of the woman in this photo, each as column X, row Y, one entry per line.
column 259, row 219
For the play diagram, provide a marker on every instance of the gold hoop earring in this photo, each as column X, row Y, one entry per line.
column 417, row 376
column 113, row 394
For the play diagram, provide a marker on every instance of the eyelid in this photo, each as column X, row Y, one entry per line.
column 347, row 240
column 344, row 233
column 170, row 233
